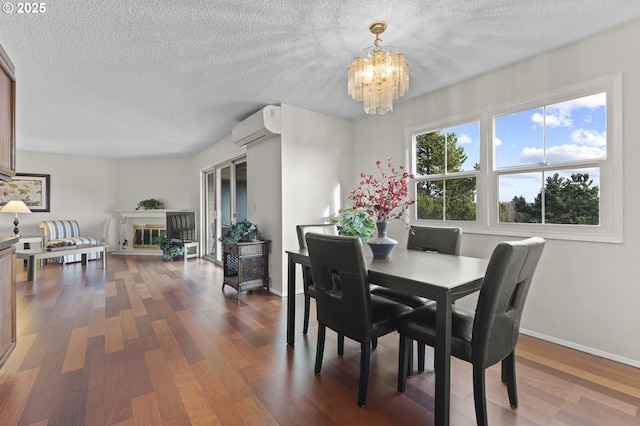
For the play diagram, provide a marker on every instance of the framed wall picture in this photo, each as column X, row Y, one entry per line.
column 33, row 189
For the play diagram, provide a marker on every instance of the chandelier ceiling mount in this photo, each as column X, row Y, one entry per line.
column 377, row 28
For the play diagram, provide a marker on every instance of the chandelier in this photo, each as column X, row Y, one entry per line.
column 379, row 77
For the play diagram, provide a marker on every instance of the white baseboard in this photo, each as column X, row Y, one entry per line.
column 279, row 293
column 572, row 345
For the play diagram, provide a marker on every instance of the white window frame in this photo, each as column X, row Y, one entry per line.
column 437, row 127
column 610, row 229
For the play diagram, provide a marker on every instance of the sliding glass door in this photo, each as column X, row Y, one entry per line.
column 209, row 213
column 225, row 202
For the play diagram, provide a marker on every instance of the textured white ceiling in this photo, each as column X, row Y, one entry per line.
column 128, row 79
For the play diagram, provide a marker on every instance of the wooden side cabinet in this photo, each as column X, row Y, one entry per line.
column 7, row 117
column 7, row 302
column 246, row 265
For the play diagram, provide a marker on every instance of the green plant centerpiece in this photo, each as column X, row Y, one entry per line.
column 150, row 204
column 355, row 222
column 170, row 248
column 242, row 232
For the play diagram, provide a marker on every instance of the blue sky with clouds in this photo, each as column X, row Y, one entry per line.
column 469, row 139
column 569, row 131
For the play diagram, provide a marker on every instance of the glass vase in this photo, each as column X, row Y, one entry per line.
column 381, row 246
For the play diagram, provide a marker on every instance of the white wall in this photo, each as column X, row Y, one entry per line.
column 296, row 179
column 165, row 179
column 81, row 188
column 585, row 295
column 316, row 171
column 264, row 199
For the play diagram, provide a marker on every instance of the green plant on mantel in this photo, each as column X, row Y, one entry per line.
column 150, row 204
column 170, row 249
column 355, row 222
column 242, row 232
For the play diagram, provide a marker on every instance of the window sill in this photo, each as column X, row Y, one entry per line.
column 594, row 237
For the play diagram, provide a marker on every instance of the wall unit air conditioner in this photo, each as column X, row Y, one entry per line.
column 260, row 126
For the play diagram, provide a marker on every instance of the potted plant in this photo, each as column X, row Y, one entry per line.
column 150, row 204
column 170, row 248
column 356, row 222
column 245, row 257
column 243, row 231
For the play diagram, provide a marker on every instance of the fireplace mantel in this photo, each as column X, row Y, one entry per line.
column 146, row 213
column 126, row 218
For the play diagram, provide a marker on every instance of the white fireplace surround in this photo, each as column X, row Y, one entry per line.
column 125, row 219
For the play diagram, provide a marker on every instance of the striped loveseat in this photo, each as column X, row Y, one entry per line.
column 56, row 231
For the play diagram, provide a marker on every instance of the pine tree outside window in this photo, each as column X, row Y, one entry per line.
column 447, row 161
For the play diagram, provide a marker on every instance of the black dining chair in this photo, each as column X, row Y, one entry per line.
column 344, row 302
column 488, row 335
column 444, row 240
column 307, row 280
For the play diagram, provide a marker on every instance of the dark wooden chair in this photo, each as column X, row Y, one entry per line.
column 488, row 335
column 444, row 240
column 343, row 299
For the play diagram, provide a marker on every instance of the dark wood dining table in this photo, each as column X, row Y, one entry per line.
column 440, row 277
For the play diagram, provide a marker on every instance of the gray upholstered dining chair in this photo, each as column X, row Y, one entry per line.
column 488, row 335
column 307, row 280
column 344, row 302
column 444, row 240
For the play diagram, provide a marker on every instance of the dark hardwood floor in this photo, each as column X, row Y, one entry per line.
column 150, row 342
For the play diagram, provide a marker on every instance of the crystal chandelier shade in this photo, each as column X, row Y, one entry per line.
column 379, row 77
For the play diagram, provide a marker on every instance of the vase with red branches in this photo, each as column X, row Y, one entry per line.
column 384, row 197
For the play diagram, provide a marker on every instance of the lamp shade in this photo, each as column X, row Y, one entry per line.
column 15, row 206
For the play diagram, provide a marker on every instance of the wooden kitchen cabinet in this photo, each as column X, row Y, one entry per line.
column 7, row 302
column 7, row 117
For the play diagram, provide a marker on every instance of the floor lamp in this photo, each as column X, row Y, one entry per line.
column 15, row 206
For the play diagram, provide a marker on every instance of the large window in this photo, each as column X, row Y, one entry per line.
column 548, row 161
column 548, row 166
column 446, row 164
